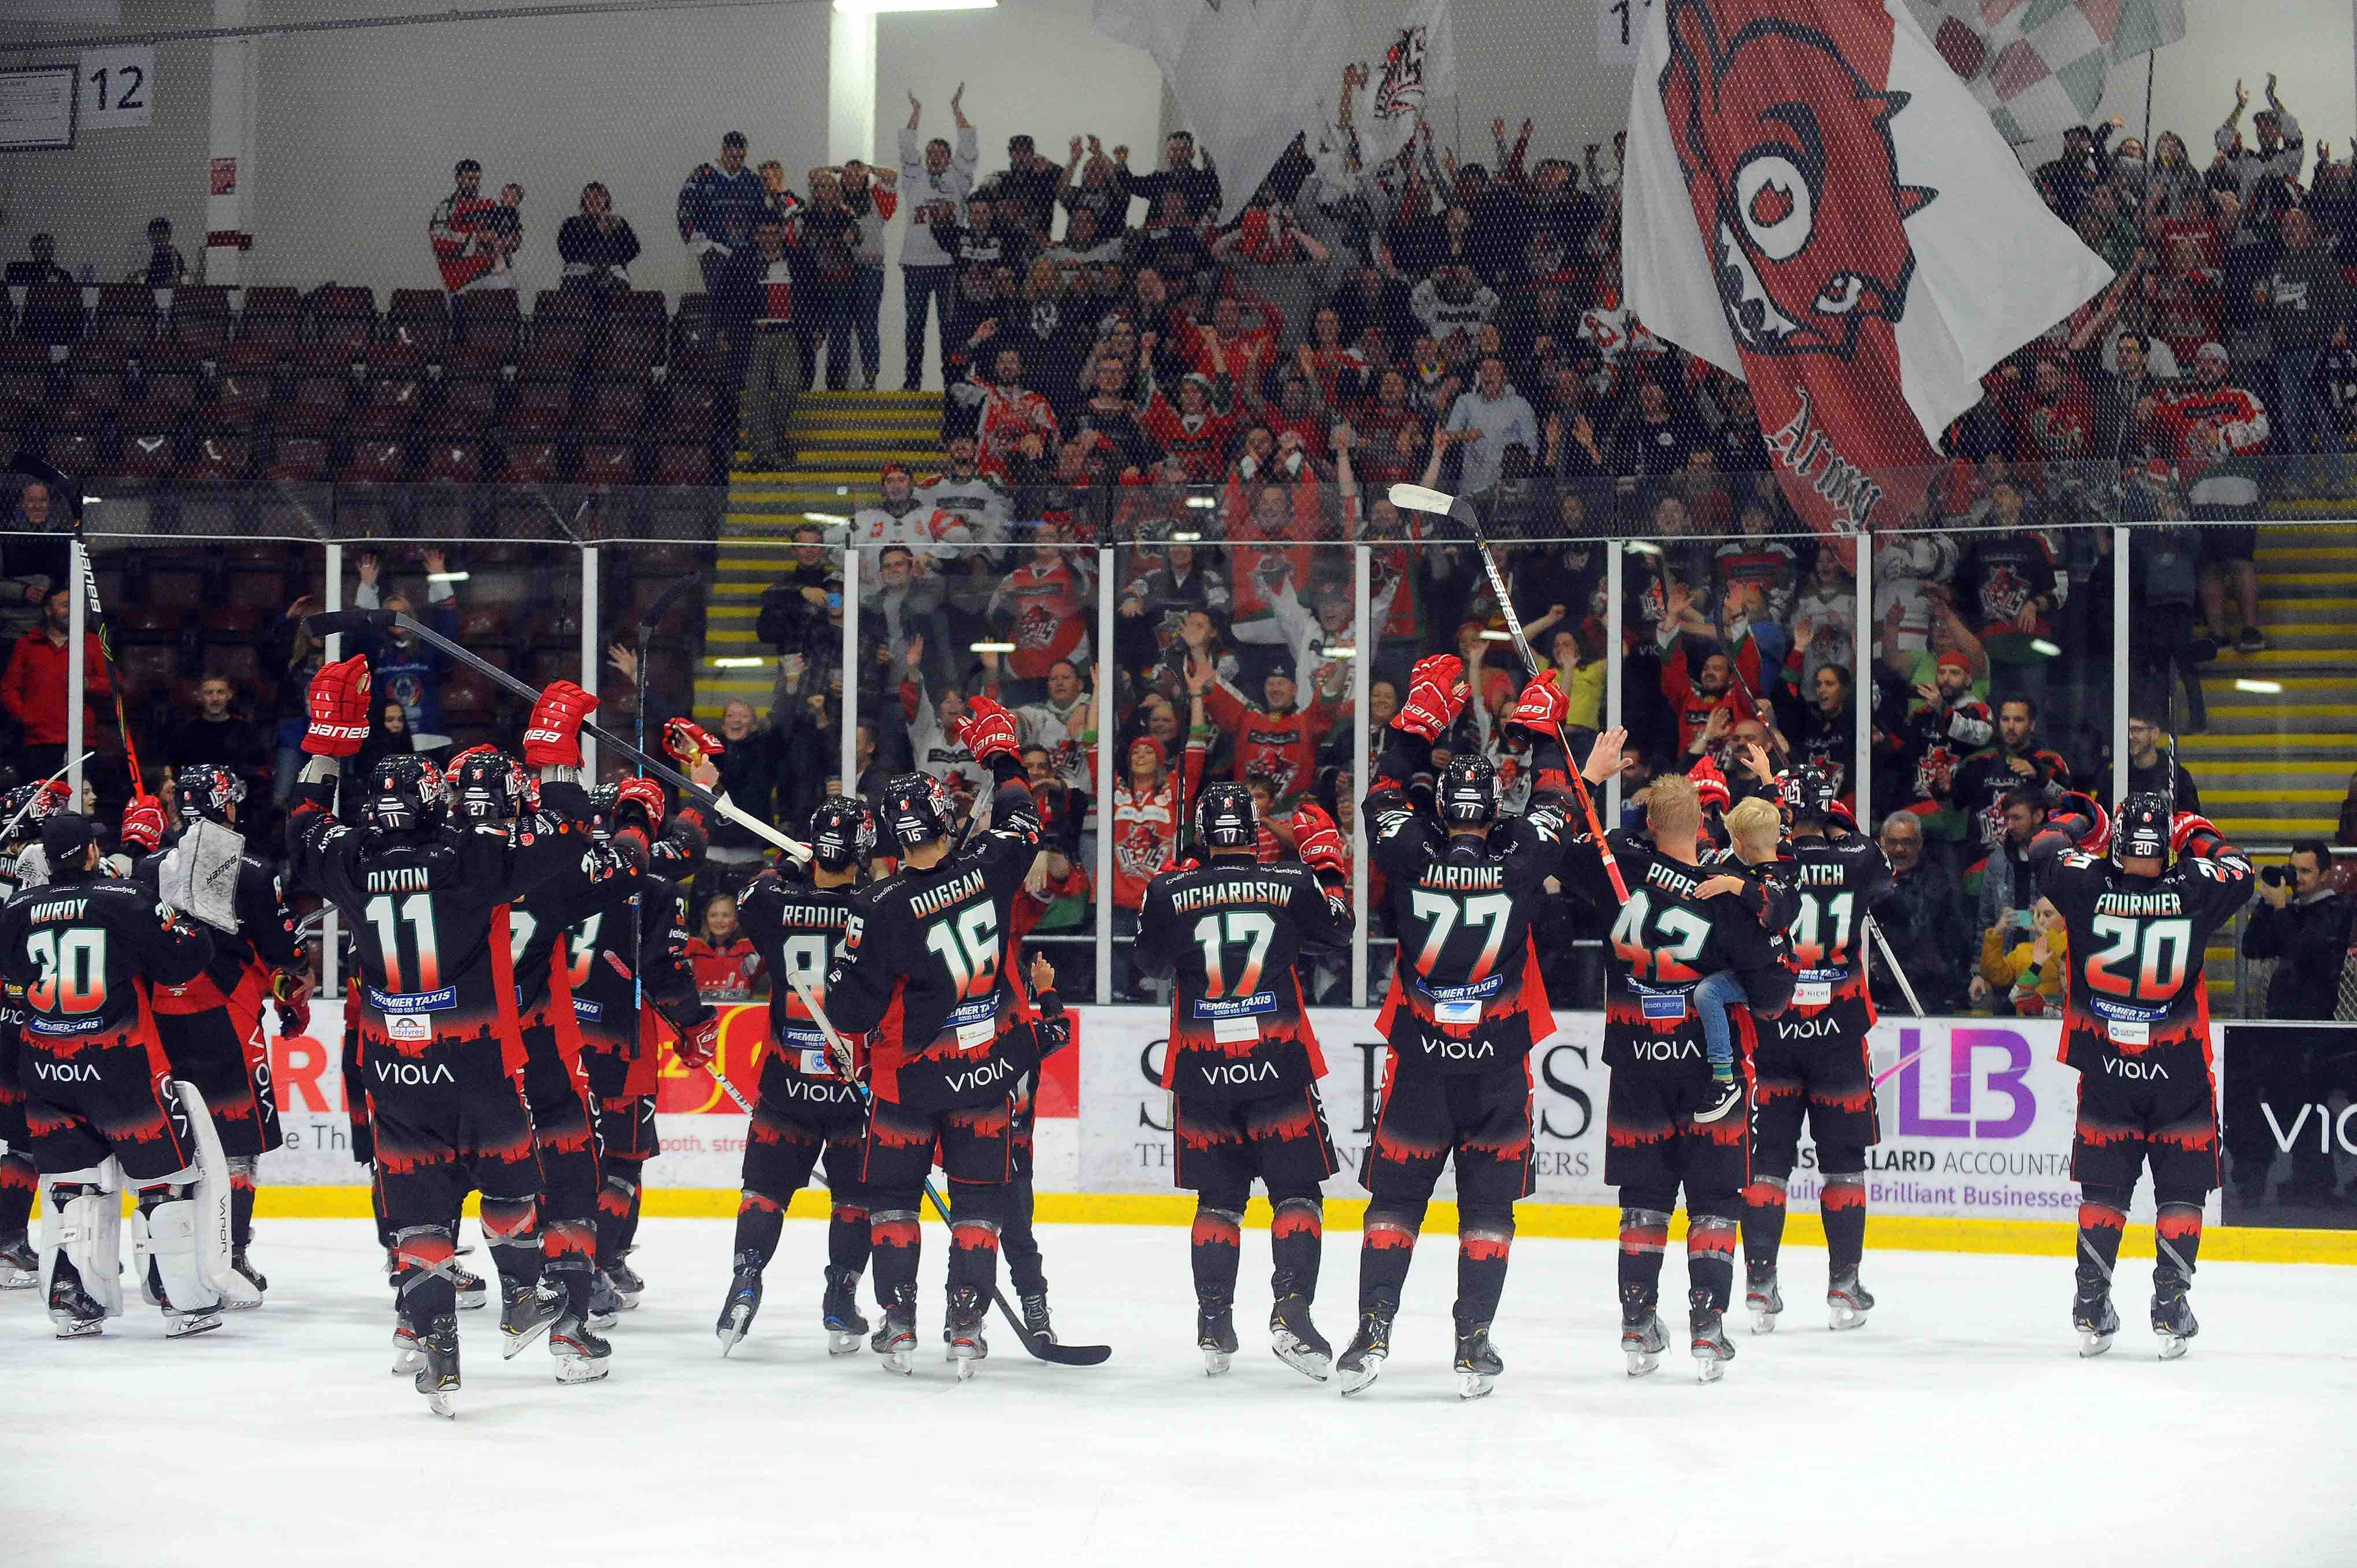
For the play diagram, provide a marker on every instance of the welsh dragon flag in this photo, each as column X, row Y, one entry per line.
column 2039, row 66
column 1815, row 203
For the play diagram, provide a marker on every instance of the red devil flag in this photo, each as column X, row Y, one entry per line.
column 1815, row 203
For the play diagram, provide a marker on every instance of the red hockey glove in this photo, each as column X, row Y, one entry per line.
column 2186, row 829
column 690, row 743
column 647, row 795
column 987, row 731
column 1538, row 711
column 292, row 994
column 340, row 708
column 1317, row 840
column 143, row 822
column 553, row 738
column 697, row 1047
column 1710, row 783
column 1436, row 695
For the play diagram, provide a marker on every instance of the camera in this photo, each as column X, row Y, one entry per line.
column 2274, row 875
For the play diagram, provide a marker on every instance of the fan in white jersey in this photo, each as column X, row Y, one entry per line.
column 899, row 518
column 972, row 498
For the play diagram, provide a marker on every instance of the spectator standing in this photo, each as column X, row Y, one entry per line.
column 774, row 374
column 2085, row 164
column 1178, row 173
column 871, row 196
column 406, row 670
column 2264, row 177
column 463, row 245
column 753, row 770
column 33, row 687
column 34, row 559
column 2305, row 306
column 294, row 656
column 719, row 207
column 2008, row 887
column 2014, row 764
column 2152, row 770
column 1924, row 918
column 799, row 597
column 596, row 244
column 726, row 964
column 830, row 247
column 2215, row 431
column 214, row 733
column 2023, row 964
column 2303, row 924
column 502, row 229
column 1485, row 422
column 40, row 265
column 163, row 266
column 1027, row 184
column 935, row 183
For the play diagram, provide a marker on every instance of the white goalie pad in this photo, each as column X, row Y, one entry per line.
column 199, row 875
column 211, row 1199
column 88, row 1231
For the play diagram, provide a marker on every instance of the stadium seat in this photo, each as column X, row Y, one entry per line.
column 539, row 408
column 53, row 312
column 220, row 460
column 148, row 453
column 532, row 463
column 391, row 405
column 296, row 459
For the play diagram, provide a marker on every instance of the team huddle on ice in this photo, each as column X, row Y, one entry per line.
column 521, row 963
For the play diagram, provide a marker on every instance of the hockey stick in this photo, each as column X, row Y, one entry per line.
column 64, row 491
column 11, row 828
column 1416, row 497
column 1892, row 958
column 647, row 624
column 329, row 623
column 1044, row 1348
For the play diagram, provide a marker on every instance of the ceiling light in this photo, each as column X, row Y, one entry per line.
column 835, row 518
column 1184, row 536
column 1205, row 503
column 2263, row 688
column 992, row 647
column 449, row 576
column 738, row 663
column 862, row 7
column 1488, row 636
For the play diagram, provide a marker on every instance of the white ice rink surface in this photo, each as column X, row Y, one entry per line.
column 1958, row 1428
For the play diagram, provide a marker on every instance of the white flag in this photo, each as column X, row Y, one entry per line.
column 1415, row 76
column 1815, row 203
column 2039, row 66
column 1249, row 75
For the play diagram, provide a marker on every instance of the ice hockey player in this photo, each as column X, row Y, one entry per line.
column 1465, row 1004
column 1665, row 939
column 921, row 967
column 633, row 978
column 22, row 812
column 806, row 1110
column 1812, row 1057
column 1243, row 1063
column 530, row 961
column 79, row 954
column 212, row 1026
column 2135, row 1026
column 441, row 1051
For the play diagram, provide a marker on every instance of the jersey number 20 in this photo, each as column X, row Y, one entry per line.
column 2159, row 950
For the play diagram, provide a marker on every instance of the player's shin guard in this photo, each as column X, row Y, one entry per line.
column 893, row 1227
column 512, row 1226
column 1297, row 1237
column 1842, row 1204
column 1710, row 1261
column 1763, row 1224
column 618, row 1211
column 18, row 1186
column 568, row 1251
column 2177, row 1244
column 1386, row 1247
column 240, row 1202
column 423, row 1265
column 760, row 1220
column 1214, row 1247
column 2103, row 1220
column 1644, row 1233
column 847, row 1241
column 1485, row 1239
column 974, row 1219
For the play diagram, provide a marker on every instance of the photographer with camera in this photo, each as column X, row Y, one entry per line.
column 2303, row 925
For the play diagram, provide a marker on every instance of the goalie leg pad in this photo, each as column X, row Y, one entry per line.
column 213, row 1212
column 172, row 1223
column 82, row 1221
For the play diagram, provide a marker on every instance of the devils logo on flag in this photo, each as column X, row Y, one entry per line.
column 1401, row 92
column 1786, row 150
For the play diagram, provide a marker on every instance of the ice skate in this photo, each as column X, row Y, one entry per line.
column 1036, row 1321
column 1725, row 1095
column 1712, row 1349
column 1762, row 1300
column 838, row 1311
column 438, row 1375
column 581, row 1356
column 180, row 1325
column 628, row 1286
column 1643, row 1340
column 525, row 1313
column 407, row 1355
column 472, row 1292
column 1848, row 1302
column 20, row 1266
column 896, row 1340
column 969, row 1312
column 1296, row 1339
column 72, row 1313
column 605, row 1305
column 1215, row 1336
column 243, row 1267
column 1478, row 1365
column 1362, row 1358
column 2095, row 1321
column 2172, row 1318
column 744, row 1301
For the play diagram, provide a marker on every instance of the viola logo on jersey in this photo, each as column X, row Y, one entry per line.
column 2121, row 1067
column 981, row 1077
column 1664, row 1050
column 67, row 1072
column 1965, row 1085
column 414, row 1075
column 1236, row 1074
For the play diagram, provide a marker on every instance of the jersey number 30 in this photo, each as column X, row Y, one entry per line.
column 73, row 970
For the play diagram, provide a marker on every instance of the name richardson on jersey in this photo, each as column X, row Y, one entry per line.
column 1220, row 895
column 933, row 900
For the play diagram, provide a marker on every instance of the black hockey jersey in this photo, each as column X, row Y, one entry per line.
column 2135, row 1005
column 798, row 929
column 79, row 955
column 1838, row 881
column 1229, row 931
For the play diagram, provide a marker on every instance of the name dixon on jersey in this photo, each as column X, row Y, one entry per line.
column 400, row 879
column 933, row 900
column 1226, row 893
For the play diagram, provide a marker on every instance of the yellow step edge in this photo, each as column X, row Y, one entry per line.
column 2252, row 797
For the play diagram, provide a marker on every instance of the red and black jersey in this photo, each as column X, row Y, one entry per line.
column 1838, row 881
column 922, row 967
column 797, row 929
column 78, row 955
column 1465, row 995
column 1229, row 931
column 264, row 938
column 1281, row 748
column 2135, row 1005
column 427, row 913
column 1978, row 789
column 1664, row 940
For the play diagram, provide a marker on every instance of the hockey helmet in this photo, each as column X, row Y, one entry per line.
column 1813, row 794
column 24, row 809
column 842, row 833
column 917, row 809
column 1225, row 817
column 1468, row 795
column 2141, row 831
column 487, row 785
column 405, row 793
column 207, row 790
